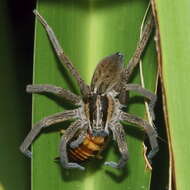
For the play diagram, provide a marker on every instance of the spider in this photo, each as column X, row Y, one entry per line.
column 99, row 108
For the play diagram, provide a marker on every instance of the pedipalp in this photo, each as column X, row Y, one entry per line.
column 68, row 135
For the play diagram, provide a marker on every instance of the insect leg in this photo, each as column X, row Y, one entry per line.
column 151, row 132
column 68, row 135
column 47, row 121
column 81, row 137
column 140, row 47
column 58, row 91
column 146, row 93
column 61, row 55
column 119, row 137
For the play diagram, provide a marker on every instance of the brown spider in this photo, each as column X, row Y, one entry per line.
column 99, row 108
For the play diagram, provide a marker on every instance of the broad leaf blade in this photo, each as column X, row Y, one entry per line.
column 173, row 20
column 88, row 31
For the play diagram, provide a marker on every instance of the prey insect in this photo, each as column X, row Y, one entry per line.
column 99, row 110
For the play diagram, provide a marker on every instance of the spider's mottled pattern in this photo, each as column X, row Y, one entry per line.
column 99, row 109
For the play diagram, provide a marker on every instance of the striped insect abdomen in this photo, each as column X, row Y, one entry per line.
column 89, row 148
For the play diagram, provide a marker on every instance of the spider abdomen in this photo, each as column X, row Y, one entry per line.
column 89, row 148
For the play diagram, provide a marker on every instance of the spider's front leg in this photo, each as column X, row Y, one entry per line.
column 68, row 135
column 58, row 91
column 135, row 59
column 47, row 121
column 140, row 48
column 150, row 131
column 61, row 55
column 119, row 137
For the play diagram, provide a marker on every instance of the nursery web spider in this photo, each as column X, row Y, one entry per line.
column 99, row 109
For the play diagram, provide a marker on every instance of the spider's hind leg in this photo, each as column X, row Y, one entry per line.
column 150, row 131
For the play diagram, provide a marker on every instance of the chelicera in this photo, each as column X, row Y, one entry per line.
column 99, row 110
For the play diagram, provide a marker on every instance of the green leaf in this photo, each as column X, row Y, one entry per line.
column 88, row 31
column 173, row 20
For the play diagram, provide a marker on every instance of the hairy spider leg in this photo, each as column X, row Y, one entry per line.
column 150, row 131
column 135, row 59
column 47, row 121
column 146, row 93
column 140, row 47
column 58, row 91
column 84, row 88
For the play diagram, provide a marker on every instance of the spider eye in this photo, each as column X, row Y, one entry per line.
column 119, row 54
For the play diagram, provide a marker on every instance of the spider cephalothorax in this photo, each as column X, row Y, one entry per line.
column 99, row 109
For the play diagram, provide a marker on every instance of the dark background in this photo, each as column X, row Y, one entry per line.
column 16, row 52
column 21, row 23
